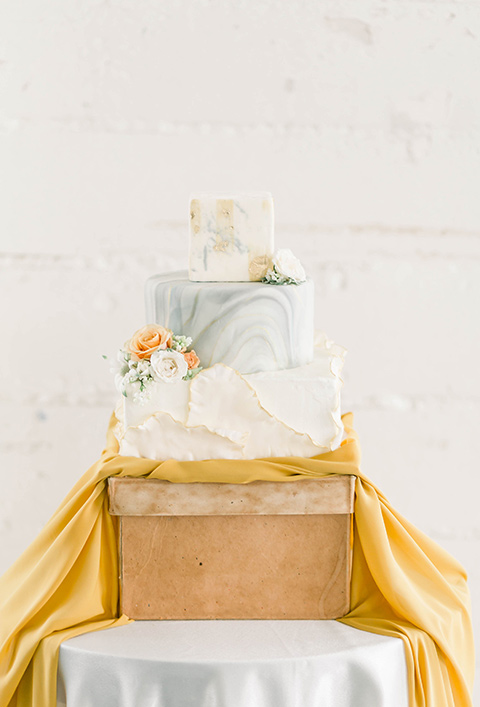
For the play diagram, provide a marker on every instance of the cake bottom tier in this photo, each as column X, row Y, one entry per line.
column 221, row 414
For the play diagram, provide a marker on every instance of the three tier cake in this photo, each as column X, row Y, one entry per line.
column 229, row 366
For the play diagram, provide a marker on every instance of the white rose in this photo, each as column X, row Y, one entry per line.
column 288, row 266
column 168, row 366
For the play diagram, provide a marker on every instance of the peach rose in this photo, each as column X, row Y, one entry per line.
column 147, row 340
column 192, row 359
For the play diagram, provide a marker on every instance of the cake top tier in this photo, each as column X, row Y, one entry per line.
column 231, row 236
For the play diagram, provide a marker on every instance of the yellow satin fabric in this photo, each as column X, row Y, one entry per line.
column 65, row 584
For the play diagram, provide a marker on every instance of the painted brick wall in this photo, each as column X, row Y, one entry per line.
column 363, row 119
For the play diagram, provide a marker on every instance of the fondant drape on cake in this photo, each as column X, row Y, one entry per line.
column 65, row 583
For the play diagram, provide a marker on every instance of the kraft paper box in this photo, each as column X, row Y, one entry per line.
column 262, row 550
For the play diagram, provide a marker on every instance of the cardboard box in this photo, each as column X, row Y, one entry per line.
column 262, row 550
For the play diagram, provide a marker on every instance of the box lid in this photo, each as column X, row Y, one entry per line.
column 143, row 497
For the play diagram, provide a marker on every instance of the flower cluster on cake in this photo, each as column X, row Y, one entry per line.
column 153, row 354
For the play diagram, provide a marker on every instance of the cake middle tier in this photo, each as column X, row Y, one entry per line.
column 249, row 326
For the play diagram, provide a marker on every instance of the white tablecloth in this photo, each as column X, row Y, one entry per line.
column 232, row 664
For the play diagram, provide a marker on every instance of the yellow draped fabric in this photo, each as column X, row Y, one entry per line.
column 65, row 583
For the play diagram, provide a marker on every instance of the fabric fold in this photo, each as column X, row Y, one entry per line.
column 403, row 584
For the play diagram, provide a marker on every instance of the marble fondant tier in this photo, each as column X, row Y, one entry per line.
column 221, row 414
column 249, row 326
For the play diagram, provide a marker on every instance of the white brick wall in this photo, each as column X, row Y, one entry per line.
column 363, row 119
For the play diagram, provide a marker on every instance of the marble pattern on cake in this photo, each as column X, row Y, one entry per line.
column 290, row 412
column 250, row 327
column 229, row 236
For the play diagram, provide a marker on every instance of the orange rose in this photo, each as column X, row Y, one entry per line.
column 147, row 340
column 192, row 359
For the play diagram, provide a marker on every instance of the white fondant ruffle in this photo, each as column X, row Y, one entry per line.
column 240, row 408
column 161, row 437
column 222, row 414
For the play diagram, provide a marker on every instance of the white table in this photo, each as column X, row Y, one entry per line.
column 232, row 664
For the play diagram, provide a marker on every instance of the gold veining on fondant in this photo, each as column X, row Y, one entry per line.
column 195, row 215
column 225, row 233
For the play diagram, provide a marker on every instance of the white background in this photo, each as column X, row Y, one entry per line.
column 362, row 117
